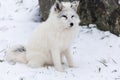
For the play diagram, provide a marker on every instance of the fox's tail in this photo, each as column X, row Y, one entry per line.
column 16, row 54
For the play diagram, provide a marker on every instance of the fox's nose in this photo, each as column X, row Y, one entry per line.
column 71, row 24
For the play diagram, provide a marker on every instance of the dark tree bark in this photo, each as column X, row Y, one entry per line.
column 45, row 6
column 104, row 13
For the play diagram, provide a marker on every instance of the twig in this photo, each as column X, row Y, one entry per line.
column 2, row 50
column 104, row 62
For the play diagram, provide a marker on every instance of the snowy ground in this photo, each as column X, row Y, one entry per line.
column 96, row 53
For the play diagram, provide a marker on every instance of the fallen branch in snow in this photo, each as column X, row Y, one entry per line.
column 114, row 61
column 99, row 69
column 103, row 61
column 2, row 50
column 1, row 60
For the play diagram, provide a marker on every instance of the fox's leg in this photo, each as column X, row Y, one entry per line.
column 62, row 58
column 68, row 58
column 56, row 57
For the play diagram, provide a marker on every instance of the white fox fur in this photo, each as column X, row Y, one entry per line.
column 51, row 41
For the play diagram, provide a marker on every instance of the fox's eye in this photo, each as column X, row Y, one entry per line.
column 64, row 16
column 72, row 16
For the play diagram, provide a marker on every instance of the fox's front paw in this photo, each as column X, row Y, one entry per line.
column 60, row 69
column 72, row 65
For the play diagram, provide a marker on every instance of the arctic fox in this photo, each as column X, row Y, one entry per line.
column 51, row 41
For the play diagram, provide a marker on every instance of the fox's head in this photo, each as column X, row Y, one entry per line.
column 65, row 13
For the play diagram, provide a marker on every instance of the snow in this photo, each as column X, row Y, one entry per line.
column 96, row 53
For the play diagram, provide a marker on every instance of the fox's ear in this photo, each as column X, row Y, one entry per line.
column 58, row 6
column 75, row 5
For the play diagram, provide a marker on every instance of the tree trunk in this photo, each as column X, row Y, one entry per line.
column 104, row 13
column 45, row 6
